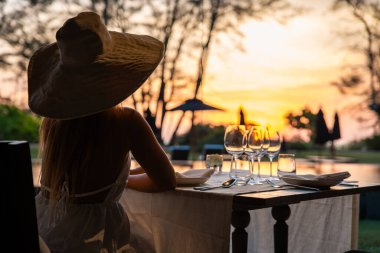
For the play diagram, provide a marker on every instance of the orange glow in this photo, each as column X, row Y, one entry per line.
column 284, row 68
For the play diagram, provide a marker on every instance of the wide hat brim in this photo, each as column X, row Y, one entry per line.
column 56, row 91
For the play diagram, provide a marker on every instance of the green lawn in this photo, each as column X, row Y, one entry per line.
column 369, row 235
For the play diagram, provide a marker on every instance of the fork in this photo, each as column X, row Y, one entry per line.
column 293, row 185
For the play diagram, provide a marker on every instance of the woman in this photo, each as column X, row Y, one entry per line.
column 87, row 139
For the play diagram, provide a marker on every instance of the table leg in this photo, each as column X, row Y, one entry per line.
column 280, row 214
column 240, row 220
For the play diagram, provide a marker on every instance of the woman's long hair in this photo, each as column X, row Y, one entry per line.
column 71, row 149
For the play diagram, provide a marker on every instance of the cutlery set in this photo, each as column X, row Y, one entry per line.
column 230, row 182
column 225, row 184
column 292, row 185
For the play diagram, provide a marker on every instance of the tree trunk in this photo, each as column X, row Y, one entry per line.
column 161, row 102
column 332, row 150
column 174, row 135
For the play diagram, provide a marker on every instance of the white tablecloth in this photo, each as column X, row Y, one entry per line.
column 184, row 222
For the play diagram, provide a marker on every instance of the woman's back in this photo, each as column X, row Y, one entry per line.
column 88, row 153
column 87, row 141
column 94, row 152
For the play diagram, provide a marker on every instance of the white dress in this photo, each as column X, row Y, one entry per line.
column 86, row 228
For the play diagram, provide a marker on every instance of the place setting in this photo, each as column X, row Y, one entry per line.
column 240, row 178
column 247, row 148
column 194, row 177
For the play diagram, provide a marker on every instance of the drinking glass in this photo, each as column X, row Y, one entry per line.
column 286, row 165
column 215, row 162
column 234, row 142
column 273, row 148
column 264, row 147
column 253, row 148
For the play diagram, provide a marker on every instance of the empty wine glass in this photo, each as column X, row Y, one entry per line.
column 234, row 142
column 273, row 148
column 253, row 148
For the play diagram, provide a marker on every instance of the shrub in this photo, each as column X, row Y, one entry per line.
column 16, row 124
column 373, row 143
column 298, row 145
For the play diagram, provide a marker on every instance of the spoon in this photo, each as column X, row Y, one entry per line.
column 225, row 184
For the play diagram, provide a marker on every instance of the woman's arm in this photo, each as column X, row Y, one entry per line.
column 139, row 180
column 159, row 173
column 143, row 183
column 136, row 171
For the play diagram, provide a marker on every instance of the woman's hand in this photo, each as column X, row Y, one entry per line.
column 142, row 182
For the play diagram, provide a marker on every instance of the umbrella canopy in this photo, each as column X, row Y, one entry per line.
column 194, row 105
column 321, row 130
column 242, row 117
column 336, row 128
column 191, row 105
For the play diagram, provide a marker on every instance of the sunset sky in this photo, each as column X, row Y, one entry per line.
column 284, row 68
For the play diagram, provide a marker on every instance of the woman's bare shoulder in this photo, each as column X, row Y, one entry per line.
column 131, row 115
column 128, row 111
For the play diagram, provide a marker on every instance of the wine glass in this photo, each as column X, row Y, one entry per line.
column 234, row 142
column 273, row 147
column 253, row 148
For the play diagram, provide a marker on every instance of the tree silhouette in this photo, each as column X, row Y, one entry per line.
column 24, row 27
column 224, row 16
column 304, row 120
column 364, row 81
column 188, row 29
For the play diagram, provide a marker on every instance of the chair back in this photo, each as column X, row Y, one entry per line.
column 213, row 149
column 19, row 205
column 179, row 153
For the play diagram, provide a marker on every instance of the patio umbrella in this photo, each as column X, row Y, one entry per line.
column 194, row 105
column 335, row 134
column 322, row 134
column 191, row 105
column 242, row 117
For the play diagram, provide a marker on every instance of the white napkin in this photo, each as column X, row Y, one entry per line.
column 340, row 176
column 195, row 173
column 324, row 180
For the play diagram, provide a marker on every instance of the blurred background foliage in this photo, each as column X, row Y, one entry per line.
column 205, row 134
column 190, row 29
column 16, row 124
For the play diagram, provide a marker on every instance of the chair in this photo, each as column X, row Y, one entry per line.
column 213, row 149
column 19, row 205
column 180, row 152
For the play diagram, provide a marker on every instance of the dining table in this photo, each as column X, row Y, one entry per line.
column 252, row 218
column 279, row 202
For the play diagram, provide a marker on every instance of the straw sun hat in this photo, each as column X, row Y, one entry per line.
column 89, row 69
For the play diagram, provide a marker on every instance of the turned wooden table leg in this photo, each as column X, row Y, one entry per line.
column 280, row 214
column 240, row 220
